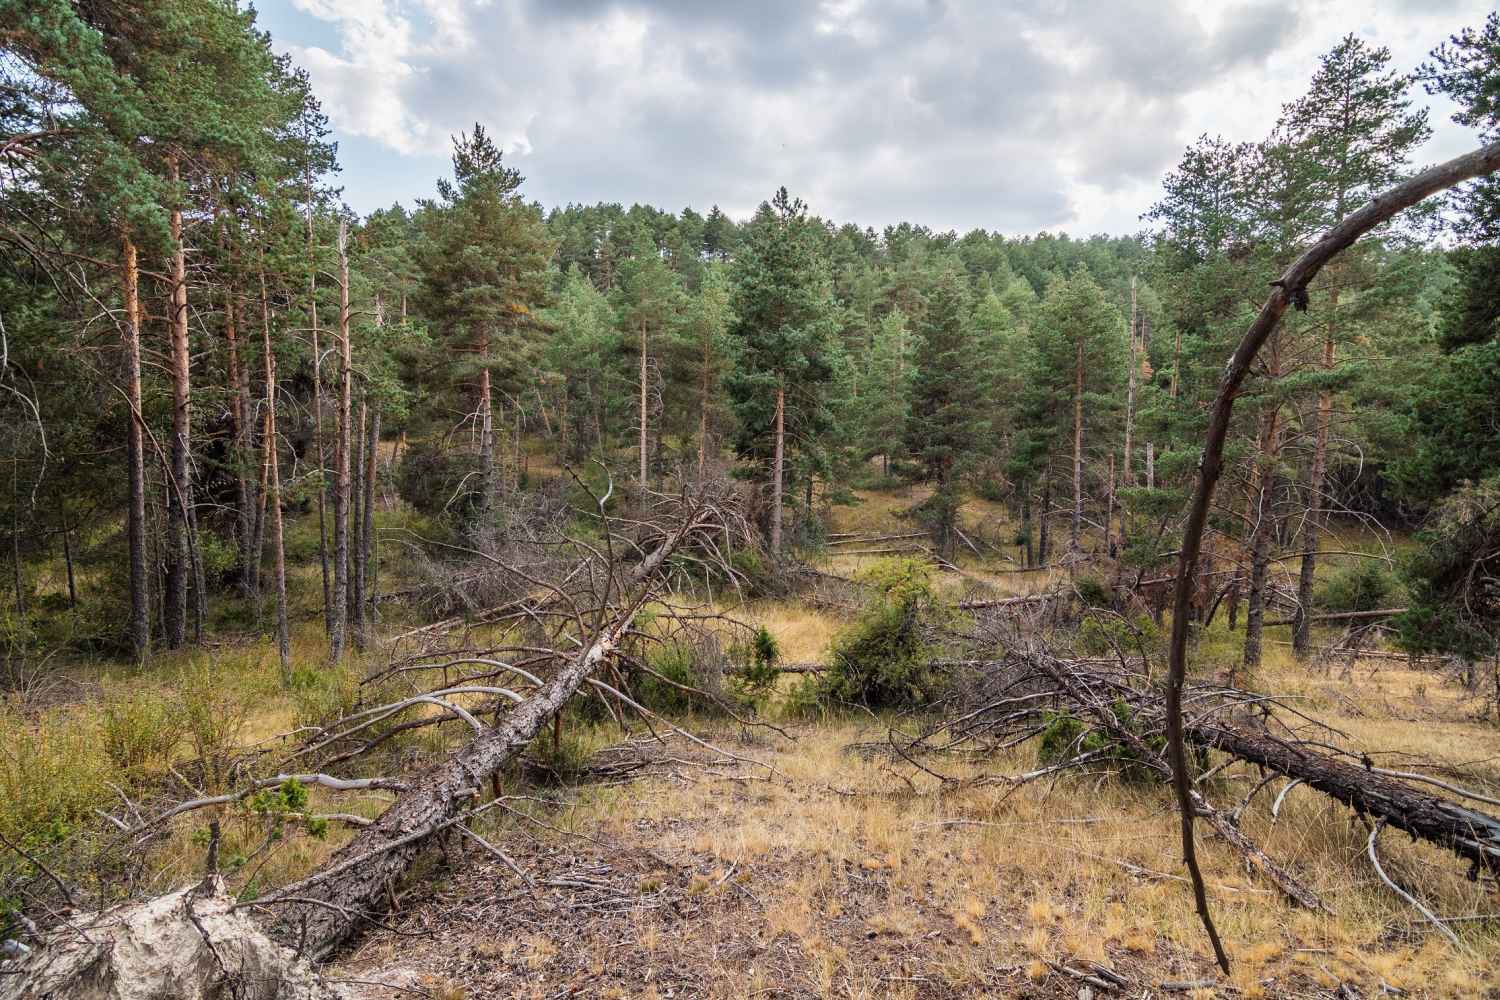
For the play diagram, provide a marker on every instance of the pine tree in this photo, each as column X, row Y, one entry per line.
column 783, row 328
column 942, row 431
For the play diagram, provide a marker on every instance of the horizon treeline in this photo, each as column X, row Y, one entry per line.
column 217, row 378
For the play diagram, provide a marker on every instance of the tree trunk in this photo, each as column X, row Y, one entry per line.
column 1044, row 531
column 489, row 479
column 1150, row 465
column 62, row 510
column 644, row 409
column 135, row 458
column 1076, row 529
column 312, row 306
column 1312, row 527
column 178, row 560
column 1131, row 372
column 1263, row 525
column 273, row 492
column 339, row 604
column 239, row 409
column 777, row 461
column 356, row 524
column 367, row 529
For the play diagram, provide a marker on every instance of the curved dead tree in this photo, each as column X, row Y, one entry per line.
column 1290, row 290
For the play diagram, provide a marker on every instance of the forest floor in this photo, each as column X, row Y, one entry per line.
column 808, row 869
column 836, row 876
column 827, row 873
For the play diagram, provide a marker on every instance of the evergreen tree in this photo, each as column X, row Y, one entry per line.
column 782, row 328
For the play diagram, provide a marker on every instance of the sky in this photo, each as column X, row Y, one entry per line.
column 1016, row 116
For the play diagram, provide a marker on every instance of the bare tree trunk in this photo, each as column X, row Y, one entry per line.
column 239, row 409
column 312, row 305
column 273, row 492
column 488, row 475
column 179, row 563
column 705, row 385
column 1109, row 513
column 356, row 525
column 777, row 461
column 1044, row 530
column 1134, row 368
column 1076, row 529
column 367, row 528
column 62, row 510
column 339, row 604
column 1150, row 465
column 135, row 457
column 1312, row 527
column 1262, row 515
column 644, row 409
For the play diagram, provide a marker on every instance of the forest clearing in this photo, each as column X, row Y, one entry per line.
column 481, row 598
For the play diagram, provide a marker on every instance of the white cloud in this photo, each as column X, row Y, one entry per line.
column 1032, row 114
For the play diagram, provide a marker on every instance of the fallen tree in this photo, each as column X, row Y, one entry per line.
column 568, row 629
column 1111, row 712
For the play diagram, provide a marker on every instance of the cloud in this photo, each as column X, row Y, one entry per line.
column 956, row 113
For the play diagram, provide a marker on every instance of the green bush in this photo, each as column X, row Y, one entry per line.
column 675, row 662
column 1094, row 592
column 53, row 774
column 757, row 660
column 1102, row 634
column 139, row 728
column 881, row 660
column 1066, row 738
column 1365, row 586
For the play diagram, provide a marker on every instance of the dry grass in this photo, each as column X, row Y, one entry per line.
column 854, row 881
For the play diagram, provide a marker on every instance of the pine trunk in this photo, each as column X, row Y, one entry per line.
column 1263, row 523
column 644, row 410
column 135, row 457
column 178, row 560
column 1312, row 528
column 367, row 528
column 1134, row 367
column 273, row 492
column 356, row 522
column 777, row 462
column 1076, row 529
column 317, row 360
column 489, row 479
column 339, row 604
column 239, row 409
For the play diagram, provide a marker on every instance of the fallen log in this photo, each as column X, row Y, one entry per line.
column 320, row 912
column 1026, row 690
column 1343, row 616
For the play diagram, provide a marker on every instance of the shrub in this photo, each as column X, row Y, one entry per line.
column 1066, row 738
column 1365, row 586
column 674, row 661
column 757, row 660
column 1093, row 592
column 139, row 728
column 1102, row 634
column 53, row 773
column 881, row 660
